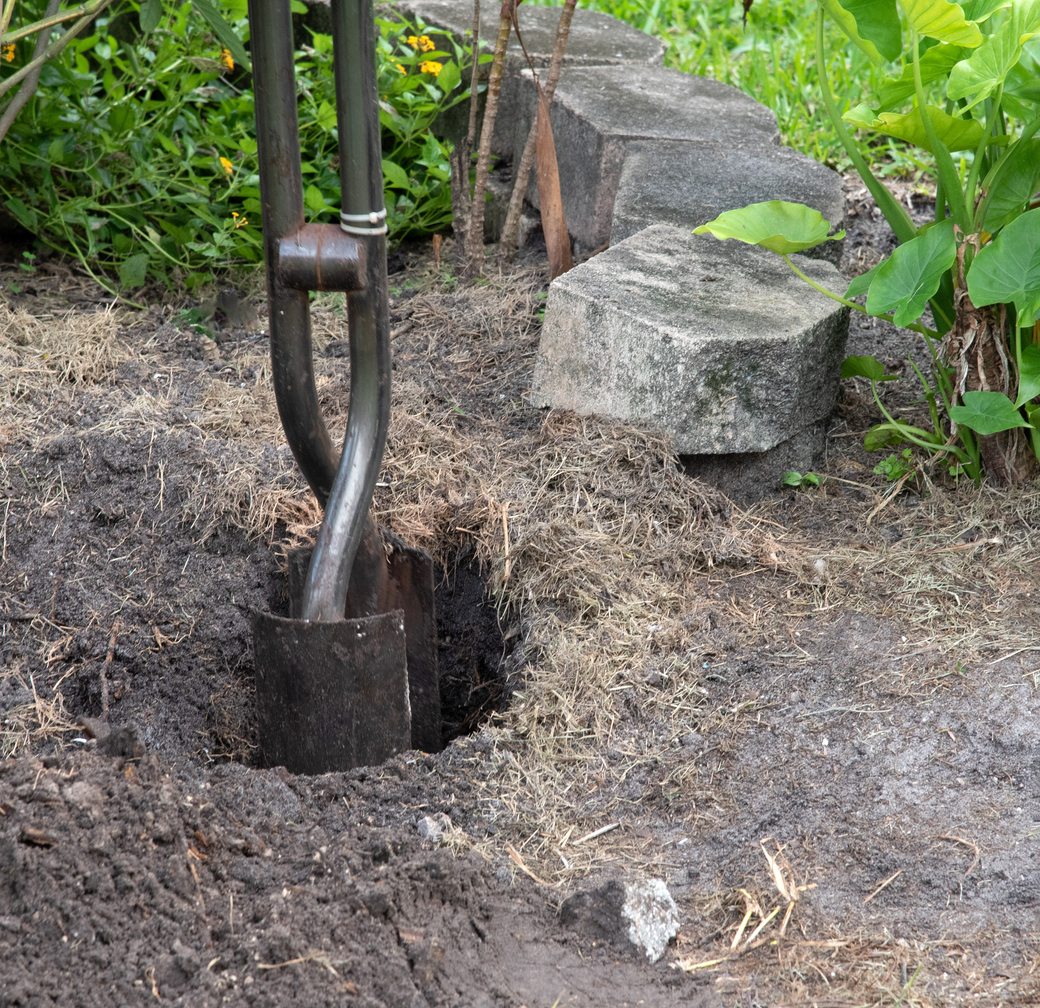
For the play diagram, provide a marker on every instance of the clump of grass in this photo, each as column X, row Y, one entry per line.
column 38, row 718
column 77, row 348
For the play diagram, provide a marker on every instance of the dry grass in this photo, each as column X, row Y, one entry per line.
column 41, row 717
column 619, row 575
column 76, row 348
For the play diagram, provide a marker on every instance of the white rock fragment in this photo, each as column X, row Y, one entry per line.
column 640, row 914
column 653, row 917
column 435, row 826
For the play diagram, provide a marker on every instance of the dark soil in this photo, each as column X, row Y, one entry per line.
column 798, row 699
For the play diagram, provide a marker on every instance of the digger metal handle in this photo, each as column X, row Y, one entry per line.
column 281, row 186
column 344, row 489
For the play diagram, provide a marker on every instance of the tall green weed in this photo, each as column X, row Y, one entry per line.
column 137, row 155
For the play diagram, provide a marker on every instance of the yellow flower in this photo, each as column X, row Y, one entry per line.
column 240, row 222
column 431, row 67
column 9, row 52
column 228, row 167
column 401, row 68
column 426, row 44
column 226, row 60
column 413, row 41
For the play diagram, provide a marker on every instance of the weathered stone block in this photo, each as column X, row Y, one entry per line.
column 716, row 343
column 595, row 40
column 686, row 185
column 598, row 113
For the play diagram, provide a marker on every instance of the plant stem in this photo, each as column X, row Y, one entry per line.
column 49, row 21
column 931, row 333
column 943, row 161
column 980, row 154
column 909, row 432
column 896, row 215
column 475, row 225
column 511, row 228
column 5, row 18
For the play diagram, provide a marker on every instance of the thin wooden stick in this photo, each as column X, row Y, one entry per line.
column 461, row 157
column 511, row 228
column 891, row 878
column 475, row 224
column 104, row 669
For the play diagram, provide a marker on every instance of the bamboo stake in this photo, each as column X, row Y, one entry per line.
column 511, row 228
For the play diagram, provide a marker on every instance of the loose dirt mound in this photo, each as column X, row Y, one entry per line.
column 813, row 719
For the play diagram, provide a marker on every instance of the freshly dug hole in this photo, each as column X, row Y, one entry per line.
column 472, row 650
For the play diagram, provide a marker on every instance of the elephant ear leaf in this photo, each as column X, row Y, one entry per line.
column 873, row 25
column 778, row 226
column 935, row 63
column 1016, row 186
column 1007, row 271
column 906, row 281
column 988, row 67
column 987, row 413
column 942, row 21
column 956, row 134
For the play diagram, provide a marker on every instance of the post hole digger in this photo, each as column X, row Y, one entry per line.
column 351, row 676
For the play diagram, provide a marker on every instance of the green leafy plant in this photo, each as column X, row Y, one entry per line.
column 803, row 481
column 961, row 79
column 137, row 155
column 896, row 466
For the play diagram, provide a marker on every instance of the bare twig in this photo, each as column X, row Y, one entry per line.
column 511, row 228
column 461, row 156
column 891, row 878
column 973, row 847
column 515, row 857
column 475, row 224
column 104, row 669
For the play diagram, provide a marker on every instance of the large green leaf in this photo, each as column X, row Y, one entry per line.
column 986, row 69
column 956, row 134
column 1022, row 90
column 1017, row 186
column 906, row 281
column 935, row 63
column 942, row 21
column 775, row 225
column 865, row 367
column 872, row 24
column 1028, row 374
column 396, row 176
column 449, row 78
column 1007, row 271
column 150, row 15
column 1023, row 82
column 979, row 10
column 987, row 413
column 132, row 271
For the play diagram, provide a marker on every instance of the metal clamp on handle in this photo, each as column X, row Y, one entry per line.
column 372, row 219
